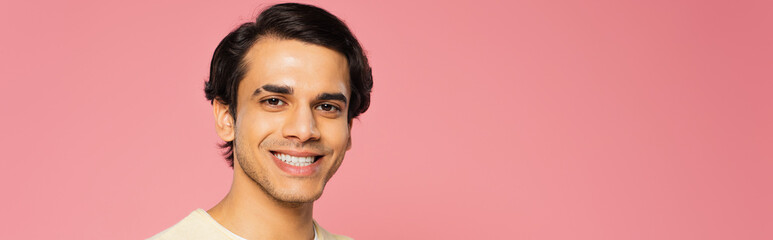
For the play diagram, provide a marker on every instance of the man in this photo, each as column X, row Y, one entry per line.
column 284, row 90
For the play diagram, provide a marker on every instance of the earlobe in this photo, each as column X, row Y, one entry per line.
column 223, row 121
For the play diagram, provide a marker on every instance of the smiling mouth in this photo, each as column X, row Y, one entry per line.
column 296, row 160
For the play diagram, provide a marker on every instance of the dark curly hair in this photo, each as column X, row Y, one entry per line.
column 291, row 21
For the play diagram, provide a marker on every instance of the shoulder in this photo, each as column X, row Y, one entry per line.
column 325, row 235
column 195, row 226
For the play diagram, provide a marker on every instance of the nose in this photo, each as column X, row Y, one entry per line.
column 301, row 126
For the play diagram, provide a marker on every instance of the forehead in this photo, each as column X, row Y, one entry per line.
column 305, row 67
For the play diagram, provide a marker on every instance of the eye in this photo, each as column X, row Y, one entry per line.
column 328, row 107
column 274, row 102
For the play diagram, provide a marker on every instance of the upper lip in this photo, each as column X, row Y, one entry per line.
column 297, row 153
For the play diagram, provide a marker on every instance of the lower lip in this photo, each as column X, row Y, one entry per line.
column 300, row 171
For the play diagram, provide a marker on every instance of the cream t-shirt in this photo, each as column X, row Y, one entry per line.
column 199, row 225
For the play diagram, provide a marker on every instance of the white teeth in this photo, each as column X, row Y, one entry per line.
column 295, row 161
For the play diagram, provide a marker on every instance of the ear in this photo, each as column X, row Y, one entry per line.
column 224, row 122
column 349, row 141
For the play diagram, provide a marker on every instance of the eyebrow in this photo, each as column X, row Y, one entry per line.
column 289, row 90
column 331, row 96
column 274, row 89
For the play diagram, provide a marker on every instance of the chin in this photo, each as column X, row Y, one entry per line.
column 281, row 186
column 295, row 197
column 287, row 190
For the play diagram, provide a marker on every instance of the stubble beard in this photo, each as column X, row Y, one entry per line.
column 283, row 198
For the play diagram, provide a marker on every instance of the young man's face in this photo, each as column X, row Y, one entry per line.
column 291, row 129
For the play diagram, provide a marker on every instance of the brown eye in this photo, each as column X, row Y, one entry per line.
column 274, row 102
column 327, row 107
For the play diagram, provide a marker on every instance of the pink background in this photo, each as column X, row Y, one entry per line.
column 490, row 119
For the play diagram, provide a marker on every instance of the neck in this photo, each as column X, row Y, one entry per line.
column 251, row 213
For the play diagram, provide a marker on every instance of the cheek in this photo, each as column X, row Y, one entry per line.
column 255, row 127
column 336, row 134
